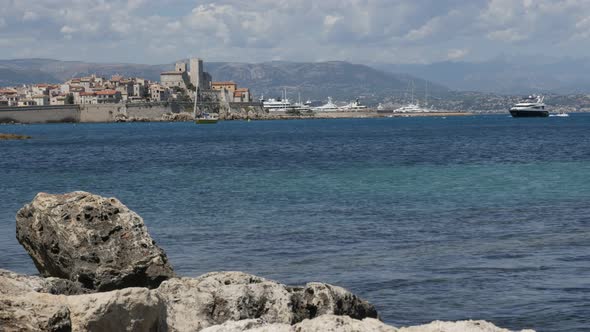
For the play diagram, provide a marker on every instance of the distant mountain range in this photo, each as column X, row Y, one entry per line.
column 341, row 80
column 524, row 75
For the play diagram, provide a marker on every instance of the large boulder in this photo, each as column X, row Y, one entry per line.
column 214, row 298
column 90, row 239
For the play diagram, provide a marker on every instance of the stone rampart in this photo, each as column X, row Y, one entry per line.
column 40, row 114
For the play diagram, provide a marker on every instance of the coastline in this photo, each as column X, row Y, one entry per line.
column 116, row 278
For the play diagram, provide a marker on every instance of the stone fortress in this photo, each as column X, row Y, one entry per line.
column 180, row 95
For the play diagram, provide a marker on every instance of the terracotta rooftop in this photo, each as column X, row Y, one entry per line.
column 106, row 93
column 223, row 83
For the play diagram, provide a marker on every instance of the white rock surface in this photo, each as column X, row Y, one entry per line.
column 460, row 326
column 214, row 298
column 130, row 309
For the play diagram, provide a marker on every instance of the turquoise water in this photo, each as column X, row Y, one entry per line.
column 483, row 217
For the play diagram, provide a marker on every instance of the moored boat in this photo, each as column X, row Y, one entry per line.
column 207, row 118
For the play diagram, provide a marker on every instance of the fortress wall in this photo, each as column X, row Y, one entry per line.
column 40, row 114
column 101, row 112
column 150, row 111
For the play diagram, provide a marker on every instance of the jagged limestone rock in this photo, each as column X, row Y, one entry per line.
column 34, row 312
column 317, row 299
column 214, row 298
column 90, row 239
column 130, row 309
column 325, row 323
column 460, row 326
column 14, row 284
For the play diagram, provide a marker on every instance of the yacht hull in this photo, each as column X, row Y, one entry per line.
column 529, row 114
column 206, row 121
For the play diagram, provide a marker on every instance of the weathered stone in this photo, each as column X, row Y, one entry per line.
column 460, row 326
column 130, row 309
column 325, row 323
column 14, row 284
column 317, row 299
column 214, row 298
column 250, row 325
column 90, row 239
column 34, row 312
column 196, row 303
column 332, row 323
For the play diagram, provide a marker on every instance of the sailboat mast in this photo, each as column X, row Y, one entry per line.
column 195, row 106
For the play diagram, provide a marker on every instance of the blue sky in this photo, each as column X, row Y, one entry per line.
column 387, row 31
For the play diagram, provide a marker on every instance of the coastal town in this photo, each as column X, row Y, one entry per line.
column 178, row 84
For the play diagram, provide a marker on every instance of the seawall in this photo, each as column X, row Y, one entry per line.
column 89, row 113
column 40, row 114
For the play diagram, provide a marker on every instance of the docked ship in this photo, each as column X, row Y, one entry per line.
column 277, row 104
column 411, row 108
column 532, row 106
column 354, row 106
column 328, row 107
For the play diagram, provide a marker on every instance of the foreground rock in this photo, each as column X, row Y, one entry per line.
column 15, row 284
column 90, row 239
column 12, row 136
column 214, row 298
column 332, row 323
column 461, row 326
column 215, row 302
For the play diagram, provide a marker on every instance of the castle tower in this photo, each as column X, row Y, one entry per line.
column 180, row 67
column 196, row 72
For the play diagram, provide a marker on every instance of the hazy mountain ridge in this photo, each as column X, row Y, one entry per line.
column 340, row 80
column 505, row 75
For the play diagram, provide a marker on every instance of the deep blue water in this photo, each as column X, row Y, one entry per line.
column 483, row 217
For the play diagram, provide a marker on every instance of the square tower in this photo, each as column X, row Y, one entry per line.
column 180, row 67
column 196, row 72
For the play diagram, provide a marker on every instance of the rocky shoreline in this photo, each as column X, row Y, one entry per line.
column 12, row 136
column 101, row 271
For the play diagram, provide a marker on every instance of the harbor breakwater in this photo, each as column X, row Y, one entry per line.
column 101, row 271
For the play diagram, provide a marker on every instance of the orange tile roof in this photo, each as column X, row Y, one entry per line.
column 223, row 83
column 107, row 92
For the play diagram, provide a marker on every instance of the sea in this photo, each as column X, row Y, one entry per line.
column 471, row 217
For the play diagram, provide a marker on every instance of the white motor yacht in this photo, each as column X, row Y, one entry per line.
column 532, row 106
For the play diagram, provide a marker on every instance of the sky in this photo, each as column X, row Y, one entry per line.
column 359, row 31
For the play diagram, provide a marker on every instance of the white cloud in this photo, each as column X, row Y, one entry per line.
column 30, row 16
column 457, row 54
column 304, row 30
column 67, row 30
